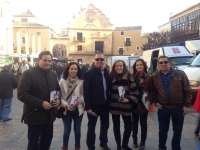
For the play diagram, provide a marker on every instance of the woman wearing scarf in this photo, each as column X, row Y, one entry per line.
column 142, row 80
column 121, row 103
column 71, row 87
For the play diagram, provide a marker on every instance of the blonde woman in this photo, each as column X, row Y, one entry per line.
column 24, row 66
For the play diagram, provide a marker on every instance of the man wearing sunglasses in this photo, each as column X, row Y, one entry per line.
column 96, row 95
column 172, row 96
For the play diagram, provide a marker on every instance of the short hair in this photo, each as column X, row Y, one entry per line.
column 144, row 64
column 98, row 53
column 66, row 71
column 163, row 56
column 7, row 68
column 44, row 53
column 113, row 73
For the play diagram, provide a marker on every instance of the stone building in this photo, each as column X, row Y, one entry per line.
column 6, row 30
column 128, row 40
column 90, row 31
column 31, row 37
column 186, row 25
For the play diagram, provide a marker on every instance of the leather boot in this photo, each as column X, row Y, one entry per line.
column 77, row 147
column 64, row 148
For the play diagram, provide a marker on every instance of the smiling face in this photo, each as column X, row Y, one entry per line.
column 139, row 66
column 119, row 67
column 45, row 62
column 73, row 71
column 99, row 60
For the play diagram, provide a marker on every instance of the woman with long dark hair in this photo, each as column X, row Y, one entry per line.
column 72, row 100
column 142, row 80
column 121, row 102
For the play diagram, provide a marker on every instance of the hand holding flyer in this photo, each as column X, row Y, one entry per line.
column 54, row 95
column 145, row 102
column 73, row 102
column 121, row 91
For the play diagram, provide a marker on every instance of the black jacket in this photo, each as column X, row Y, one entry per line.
column 59, row 70
column 84, row 69
column 7, row 83
column 93, row 87
column 34, row 88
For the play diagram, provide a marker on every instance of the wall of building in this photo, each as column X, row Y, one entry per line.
column 136, row 40
column 42, row 41
column 6, row 30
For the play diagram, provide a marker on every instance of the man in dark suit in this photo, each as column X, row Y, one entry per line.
column 96, row 95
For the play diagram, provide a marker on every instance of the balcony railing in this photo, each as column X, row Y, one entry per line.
column 79, row 39
column 127, row 43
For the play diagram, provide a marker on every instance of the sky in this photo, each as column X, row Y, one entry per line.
column 149, row 14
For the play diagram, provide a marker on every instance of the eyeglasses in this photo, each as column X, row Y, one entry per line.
column 45, row 60
column 101, row 59
column 163, row 62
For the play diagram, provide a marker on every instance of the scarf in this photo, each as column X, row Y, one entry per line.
column 140, row 79
column 71, row 83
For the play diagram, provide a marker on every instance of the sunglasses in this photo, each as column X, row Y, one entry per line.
column 101, row 59
column 163, row 62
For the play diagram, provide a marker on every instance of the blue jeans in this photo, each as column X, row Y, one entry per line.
column 164, row 115
column 59, row 76
column 67, row 121
column 5, row 108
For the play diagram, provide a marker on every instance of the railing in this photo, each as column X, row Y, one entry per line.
column 80, row 39
column 127, row 43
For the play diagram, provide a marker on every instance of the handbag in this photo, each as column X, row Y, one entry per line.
column 61, row 109
column 140, row 109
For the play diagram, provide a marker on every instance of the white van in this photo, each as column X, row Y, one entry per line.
column 193, row 74
column 129, row 60
column 178, row 54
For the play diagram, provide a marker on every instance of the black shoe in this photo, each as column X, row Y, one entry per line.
column 105, row 147
column 126, row 148
column 196, row 132
column 119, row 148
column 135, row 145
column 7, row 119
column 142, row 146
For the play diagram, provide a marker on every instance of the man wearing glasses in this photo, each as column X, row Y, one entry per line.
column 172, row 96
column 96, row 94
column 34, row 90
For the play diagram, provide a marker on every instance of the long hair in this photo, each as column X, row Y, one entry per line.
column 113, row 73
column 66, row 71
column 144, row 64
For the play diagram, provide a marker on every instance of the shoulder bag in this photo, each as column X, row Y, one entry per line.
column 61, row 109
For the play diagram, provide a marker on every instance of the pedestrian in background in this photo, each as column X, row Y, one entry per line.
column 72, row 85
column 8, row 82
column 84, row 68
column 172, row 95
column 122, row 105
column 59, row 70
column 24, row 66
column 143, row 82
column 35, row 87
column 96, row 96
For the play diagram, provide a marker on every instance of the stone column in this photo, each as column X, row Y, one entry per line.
column 18, row 42
column 33, row 44
column 27, row 44
column 6, row 41
column 39, row 44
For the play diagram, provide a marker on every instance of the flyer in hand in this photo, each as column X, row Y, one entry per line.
column 74, row 102
column 145, row 101
column 54, row 95
column 121, row 91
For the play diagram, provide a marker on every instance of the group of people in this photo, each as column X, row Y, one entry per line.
column 97, row 93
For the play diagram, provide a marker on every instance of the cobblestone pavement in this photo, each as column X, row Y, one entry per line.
column 13, row 134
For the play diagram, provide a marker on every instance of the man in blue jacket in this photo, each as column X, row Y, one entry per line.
column 8, row 82
column 96, row 94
